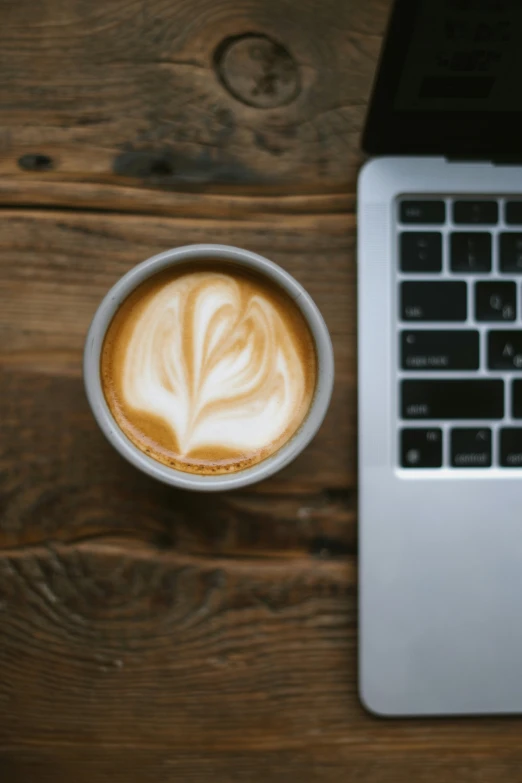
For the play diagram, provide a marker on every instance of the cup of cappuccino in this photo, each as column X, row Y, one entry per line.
column 208, row 367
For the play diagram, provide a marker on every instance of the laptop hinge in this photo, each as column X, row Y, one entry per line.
column 498, row 160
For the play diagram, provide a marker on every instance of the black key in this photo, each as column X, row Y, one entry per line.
column 470, row 252
column 434, row 301
column 471, row 399
column 421, row 448
column 440, row 350
column 511, row 447
column 517, row 399
column 484, row 212
column 511, row 253
column 428, row 212
column 471, row 448
column 514, row 213
column 505, row 350
column 495, row 301
column 421, row 251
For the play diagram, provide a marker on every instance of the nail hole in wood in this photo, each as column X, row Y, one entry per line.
column 161, row 168
column 36, row 162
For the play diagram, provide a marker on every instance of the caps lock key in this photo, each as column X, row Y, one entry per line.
column 440, row 350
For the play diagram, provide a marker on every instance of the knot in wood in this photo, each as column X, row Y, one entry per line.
column 258, row 71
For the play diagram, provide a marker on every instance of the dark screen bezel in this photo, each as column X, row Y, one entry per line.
column 454, row 134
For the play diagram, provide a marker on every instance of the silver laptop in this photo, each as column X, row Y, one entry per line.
column 440, row 364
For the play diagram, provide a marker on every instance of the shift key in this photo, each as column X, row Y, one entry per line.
column 434, row 301
column 452, row 399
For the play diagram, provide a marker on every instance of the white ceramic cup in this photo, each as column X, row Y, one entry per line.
column 238, row 258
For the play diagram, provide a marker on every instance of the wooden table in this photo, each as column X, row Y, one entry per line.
column 147, row 634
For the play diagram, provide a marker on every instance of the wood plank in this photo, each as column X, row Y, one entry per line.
column 129, row 91
column 311, row 763
column 56, row 266
column 162, row 201
column 104, row 646
column 191, row 667
column 60, row 480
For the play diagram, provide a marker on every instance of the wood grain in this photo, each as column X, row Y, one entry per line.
column 128, row 90
column 58, row 265
column 149, row 635
column 217, row 650
column 205, row 668
column 317, row 764
column 162, row 201
column 60, row 481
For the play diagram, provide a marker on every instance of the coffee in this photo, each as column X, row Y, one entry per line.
column 208, row 368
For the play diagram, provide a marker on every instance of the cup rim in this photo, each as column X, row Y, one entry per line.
column 172, row 476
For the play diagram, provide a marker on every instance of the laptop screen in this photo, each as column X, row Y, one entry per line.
column 450, row 80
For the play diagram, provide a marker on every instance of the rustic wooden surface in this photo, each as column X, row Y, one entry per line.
column 149, row 635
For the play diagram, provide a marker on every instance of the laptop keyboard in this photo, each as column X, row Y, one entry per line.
column 460, row 332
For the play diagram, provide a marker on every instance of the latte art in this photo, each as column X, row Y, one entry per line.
column 208, row 371
column 215, row 368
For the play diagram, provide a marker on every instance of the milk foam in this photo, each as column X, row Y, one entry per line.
column 216, row 363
